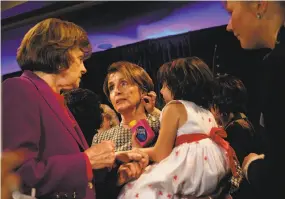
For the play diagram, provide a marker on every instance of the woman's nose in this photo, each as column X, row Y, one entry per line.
column 83, row 69
column 229, row 26
column 117, row 90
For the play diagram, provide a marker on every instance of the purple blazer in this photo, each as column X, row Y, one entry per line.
column 33, row 119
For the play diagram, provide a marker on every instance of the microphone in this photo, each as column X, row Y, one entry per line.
column 142, row 130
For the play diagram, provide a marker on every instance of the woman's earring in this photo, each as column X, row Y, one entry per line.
column 258, row 15
column 60, row 68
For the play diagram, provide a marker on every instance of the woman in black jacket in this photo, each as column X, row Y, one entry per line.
column 260, row 24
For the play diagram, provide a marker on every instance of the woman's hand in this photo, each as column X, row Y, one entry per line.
column 134, row 155
column 248, row 160
column 129, row 171
column 136, row 161
column 101, row 155
column 9, row 180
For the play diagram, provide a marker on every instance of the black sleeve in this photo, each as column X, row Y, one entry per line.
column 256, row 175
column 106, row 186
column 274, row 120
column 240, row 139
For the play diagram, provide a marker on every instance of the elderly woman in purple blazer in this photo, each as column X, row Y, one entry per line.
column 58, row 162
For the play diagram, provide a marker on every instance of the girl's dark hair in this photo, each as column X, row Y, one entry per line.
column 231, row 94
column 84, row 104
column 188, row 79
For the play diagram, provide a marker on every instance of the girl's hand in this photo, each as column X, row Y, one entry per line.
column 148, row 101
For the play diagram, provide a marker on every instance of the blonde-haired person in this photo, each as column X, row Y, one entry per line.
column 261, row 24
column 110, row 118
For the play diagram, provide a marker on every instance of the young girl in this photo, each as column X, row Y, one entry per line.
column 190, row 154
column 230, row 109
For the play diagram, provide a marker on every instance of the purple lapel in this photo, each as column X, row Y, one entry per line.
column 47, row 94
column 79, row 132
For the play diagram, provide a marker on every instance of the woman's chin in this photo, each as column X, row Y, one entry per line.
column 247, row 44
column 166, row 101
column 70, row 86
column 120, row 109
column 124, row 109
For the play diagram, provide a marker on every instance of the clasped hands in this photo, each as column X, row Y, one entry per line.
column 135, row 163
column 103, row 155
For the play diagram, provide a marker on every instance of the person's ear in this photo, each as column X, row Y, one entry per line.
column 261, row 8
column 111, row 123
column 143, row 92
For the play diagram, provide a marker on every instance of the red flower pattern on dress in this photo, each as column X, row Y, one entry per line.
column 130, row 186
column 175, row 177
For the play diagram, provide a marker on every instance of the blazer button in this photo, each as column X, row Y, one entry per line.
column 90, row 185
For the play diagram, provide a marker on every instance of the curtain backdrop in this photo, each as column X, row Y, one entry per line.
column 151, row 54
column 217, row 47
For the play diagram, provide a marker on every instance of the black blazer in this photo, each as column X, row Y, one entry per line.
column 243, row 140
column 264, row 175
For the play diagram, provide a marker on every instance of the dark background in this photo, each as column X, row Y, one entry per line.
column 217, row 47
